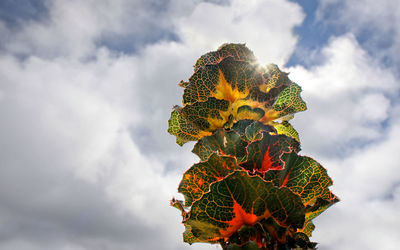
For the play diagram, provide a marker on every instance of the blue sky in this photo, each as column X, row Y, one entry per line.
column 86, row 89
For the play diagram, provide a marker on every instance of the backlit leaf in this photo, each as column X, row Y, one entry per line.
column 228, row 86
column 197, row 180
column 208, row 115
column 248, row 246
column 222, row 142
column 183, row 130
column 285, row 128
column 188, row 236
column 265, row 154
column 308, row 228
column 239, row 200
column 316, row 209
column 307, row 178
column 231, row 142
column 238, row 51
column 289, row 101
column 304, row 176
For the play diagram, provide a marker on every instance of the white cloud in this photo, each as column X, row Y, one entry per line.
column 161, row 66
column 84, row 140
column 348, row 96
column 265, row 26
column 64, row 128
column 75, row 28
column 352, row 128
column 376, row 23
column 84, row 129
column 368, row 183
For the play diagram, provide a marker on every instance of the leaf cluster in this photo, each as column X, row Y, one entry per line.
column 251, row 188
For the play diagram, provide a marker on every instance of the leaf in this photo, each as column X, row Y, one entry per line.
column 208, row 115
column 308, row 228
column 231, row 142
column 228, row 86
column 304, row 176
column 275, row 231
column 188, row 236
column 183, row 130
column 178, row 204
column 248, row 246
column 289, row 101
column 253, row 144
column 316, row 209
column 308, row 179
column 247, row 112
column 222, row 142
column 244, row 235
column 301, row 241
column 265, row 154
column 254, row 131
column 239, row 200
column 235, row 81
column 238, row 51
column 285, row 128
column 197, row 180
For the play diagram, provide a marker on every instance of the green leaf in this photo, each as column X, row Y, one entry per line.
column 304, row 176
column 254, row 131
column 289, row 101
column 188, row 236
column 231, row 142
column 248, row 246
column 197, row 180
column 208, row 115
column 234, row 81
column 183, row 130
column 265, row 154
column 308, row 228
column 301, row 241
column 316, row 209
column 239, row 200
column 247, row 112
column 308, row 179
column 238, row 51
column 285, row 128
column 178, row 204
column 228, row 86
column 222, row 142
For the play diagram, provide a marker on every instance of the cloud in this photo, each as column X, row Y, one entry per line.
column 63, row 141
column 86, row 91
column 258, row 24
column 70, row 169
column 376, row 25
column 76, row 29
column 86, row 160
column 352, row 128
column 349, row 97
column 370, row 190
column 163, row 65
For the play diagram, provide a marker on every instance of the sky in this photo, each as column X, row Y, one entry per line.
column 87, row 87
